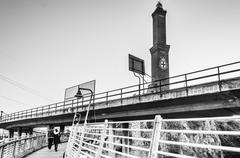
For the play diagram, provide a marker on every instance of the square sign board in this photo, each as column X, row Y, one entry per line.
column 72, row 91
column 136, row 64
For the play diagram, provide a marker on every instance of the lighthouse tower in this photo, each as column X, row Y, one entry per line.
column 160, row 49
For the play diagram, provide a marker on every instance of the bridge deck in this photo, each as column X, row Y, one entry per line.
column 45, row 152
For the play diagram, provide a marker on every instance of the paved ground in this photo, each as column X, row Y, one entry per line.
column 46, row 153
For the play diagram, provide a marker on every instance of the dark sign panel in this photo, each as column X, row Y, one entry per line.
column 136, row 64
column 72, row 91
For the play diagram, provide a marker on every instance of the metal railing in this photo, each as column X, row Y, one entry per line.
column 182, row 85
column 181, row 138
column 19, row 147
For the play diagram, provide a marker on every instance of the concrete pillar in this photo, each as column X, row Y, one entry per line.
column 62, row 137
column 62, row 128
column 49, row 127
column 11, row 133
column 20, row 131
column 29, row 131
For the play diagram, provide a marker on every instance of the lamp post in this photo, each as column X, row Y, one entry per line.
column 79, row 96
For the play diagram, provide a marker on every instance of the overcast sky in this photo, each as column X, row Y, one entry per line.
column 49, row 45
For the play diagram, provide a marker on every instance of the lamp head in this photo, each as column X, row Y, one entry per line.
column 79, row 94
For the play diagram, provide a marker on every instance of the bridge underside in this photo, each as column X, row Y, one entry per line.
column 207, row 105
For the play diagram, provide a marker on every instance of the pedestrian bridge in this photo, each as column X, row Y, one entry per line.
column 209, row 92
column 180, row 138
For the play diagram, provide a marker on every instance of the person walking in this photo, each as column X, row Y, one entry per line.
column 50, row 138
column 56, row 137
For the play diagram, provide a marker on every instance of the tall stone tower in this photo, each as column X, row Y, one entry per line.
column 159, row 50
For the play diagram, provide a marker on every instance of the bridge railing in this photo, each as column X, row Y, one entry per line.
column 181, row 138
column 19, row 147
column 198, row 82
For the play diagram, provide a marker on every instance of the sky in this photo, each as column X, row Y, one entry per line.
column 49, row 45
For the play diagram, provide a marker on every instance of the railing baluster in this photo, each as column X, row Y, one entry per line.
column 121, row 95
column 63, row 106
column 160, row 86
column 49, row 109
column 106, row 98
column 186, row 84
column 139, row 91
column 72, row 110
column 219, row 80
column 55, row 108
column 102, row 139
column 82, row 102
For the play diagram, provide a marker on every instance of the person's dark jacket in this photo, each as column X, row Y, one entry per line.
column 56, row 138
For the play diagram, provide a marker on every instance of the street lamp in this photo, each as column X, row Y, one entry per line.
column 79, row 96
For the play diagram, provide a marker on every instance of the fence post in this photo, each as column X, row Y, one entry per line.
column 111, row 140
column 155, row 137
column 48, row 110
column 63, row 106
column 55, row 108
column 36, row 112
column 219, row 80
column 160, row 87
column 103, row 136
column 107, row 98
column 121, row 95
column 139, row 91
column 186, row 85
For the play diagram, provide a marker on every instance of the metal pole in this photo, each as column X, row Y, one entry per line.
column 88, row 108
column 219, row 80
column 85, row 122
column 139, row 86
column 186, row 85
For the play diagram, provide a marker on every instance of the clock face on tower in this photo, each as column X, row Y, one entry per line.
column 163, row 63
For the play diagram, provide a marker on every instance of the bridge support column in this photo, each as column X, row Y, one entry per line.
column 19, row 131
column 29, row 132
column 11, row 133
column 62, row 128
column 49, row 127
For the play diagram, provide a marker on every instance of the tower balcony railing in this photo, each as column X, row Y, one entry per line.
column 216, row 79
